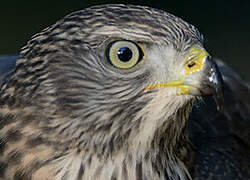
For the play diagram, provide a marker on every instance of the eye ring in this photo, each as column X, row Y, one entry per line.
column 124, row 54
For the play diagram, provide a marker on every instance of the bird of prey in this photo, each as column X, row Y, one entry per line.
column 107, row 92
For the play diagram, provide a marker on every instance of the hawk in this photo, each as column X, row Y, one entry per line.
column 107, row 92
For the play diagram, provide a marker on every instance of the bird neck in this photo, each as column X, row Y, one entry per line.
column 162, row 126
column 152, row 149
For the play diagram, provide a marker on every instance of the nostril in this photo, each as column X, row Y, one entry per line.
column 190, row 65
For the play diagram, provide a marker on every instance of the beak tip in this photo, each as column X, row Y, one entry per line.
column 215, row 82
column 210, row 82
column 219, row 100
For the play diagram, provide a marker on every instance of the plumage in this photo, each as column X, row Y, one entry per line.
column 69, row 110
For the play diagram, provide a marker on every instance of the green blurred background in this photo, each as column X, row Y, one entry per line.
column 224, row 24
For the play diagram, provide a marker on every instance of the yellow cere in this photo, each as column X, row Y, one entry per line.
column 177, row 83
column 195, row 60
column 194, row 63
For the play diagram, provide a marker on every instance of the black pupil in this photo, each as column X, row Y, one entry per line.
column 124, row 54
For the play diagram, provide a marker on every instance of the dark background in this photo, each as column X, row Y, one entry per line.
column 225, row 24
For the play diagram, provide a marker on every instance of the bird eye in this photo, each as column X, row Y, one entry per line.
column 124, row 54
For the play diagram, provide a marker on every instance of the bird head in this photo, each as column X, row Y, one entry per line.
column 112, row 76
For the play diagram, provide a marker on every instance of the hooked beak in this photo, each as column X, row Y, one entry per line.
column 207, row 81
column 202, row 77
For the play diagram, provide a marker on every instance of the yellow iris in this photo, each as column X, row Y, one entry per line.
column 124, row 54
